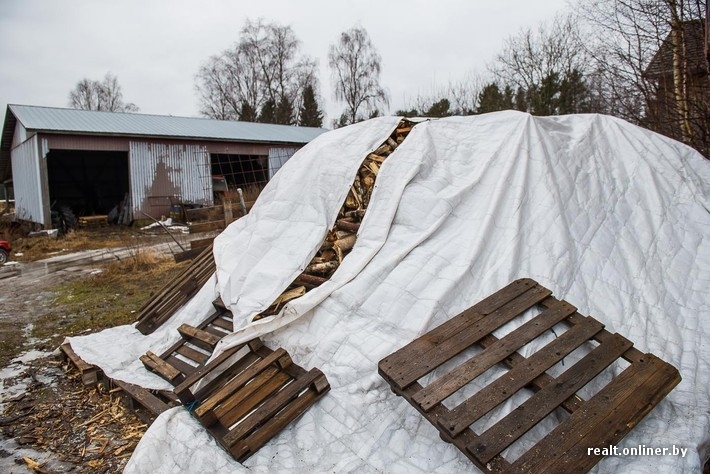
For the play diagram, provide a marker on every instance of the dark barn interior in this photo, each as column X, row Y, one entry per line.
column 90, row 182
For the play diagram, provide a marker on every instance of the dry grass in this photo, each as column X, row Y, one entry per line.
column 37, row 248
column 110, row 298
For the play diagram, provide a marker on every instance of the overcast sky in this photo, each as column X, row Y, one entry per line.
column 155, row 47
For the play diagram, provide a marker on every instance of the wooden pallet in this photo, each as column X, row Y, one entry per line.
column 138, row 399
column 176, row 293
column 604, row 419
column 245, row 402
column 90, row 374
column 135, row 397
column 194, row 348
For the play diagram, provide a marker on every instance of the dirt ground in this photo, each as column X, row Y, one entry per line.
column 50, row 422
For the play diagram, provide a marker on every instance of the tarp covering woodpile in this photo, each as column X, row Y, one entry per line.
column 611, row 217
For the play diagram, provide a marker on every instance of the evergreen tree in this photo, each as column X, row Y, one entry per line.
column 268, row 112
column 408, row 113
column 247, row 113
column 575, row 97
column 439, row 109
column 521, row 100
column 284, row 112
column 310, row 115
column 545, row 96
column 508, row 102
column 490, row 99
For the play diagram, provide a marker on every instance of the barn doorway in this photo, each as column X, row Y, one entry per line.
column 89, row 182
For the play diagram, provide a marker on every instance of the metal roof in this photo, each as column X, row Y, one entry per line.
column 59, row 120
column 49, row 119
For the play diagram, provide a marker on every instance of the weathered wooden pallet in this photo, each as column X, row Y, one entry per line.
column 193, row 349
column 154, row 402
column 249, row 394
column 136, row 397
column 176, row 293
column 604, row 419
column 90, row 374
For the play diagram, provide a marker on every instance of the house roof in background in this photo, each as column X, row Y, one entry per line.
column 662, row 62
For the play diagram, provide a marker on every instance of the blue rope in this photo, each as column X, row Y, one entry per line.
column 191, row 406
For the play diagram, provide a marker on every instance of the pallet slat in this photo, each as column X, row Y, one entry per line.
column 461, row 332
column 516, row 378
column 199, row 337
column 537, row 407
column 445, row 386
column 602, row 420
column 90, row 374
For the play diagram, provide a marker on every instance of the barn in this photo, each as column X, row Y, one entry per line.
column 93, row 161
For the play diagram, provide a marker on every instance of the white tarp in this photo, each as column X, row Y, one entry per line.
column 609, row 216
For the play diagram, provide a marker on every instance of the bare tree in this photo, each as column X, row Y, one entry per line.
column 540, row 64
column 464, row 94
column 356, row 66
column 100, row 95
column 262, row 75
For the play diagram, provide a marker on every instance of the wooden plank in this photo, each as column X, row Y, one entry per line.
column 619, row 422
column 462, row 334
column 446, row 385
column 205, row 412
column 216, row 331
column 272, row 406
column 183, row 390
column 194, row 355
column 90, row 374
column 163, row 304
column 440, row 412
column 278, row 356
column 143, row 397
column 199, row 337
column 415, row 349
column 206, row 226
column 159, row 366
column 243, row 449
column 533, row 410
column 187, row 255
column 180, row 365
column 236, row 409
column 224, row 324
column 506, row 385
column 617, row 407
column 74, row 358
column 200, row 244
column 541, row 381
column 503, row 296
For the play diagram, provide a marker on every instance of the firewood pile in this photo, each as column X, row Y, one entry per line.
column 341, row 238
column 338, row 243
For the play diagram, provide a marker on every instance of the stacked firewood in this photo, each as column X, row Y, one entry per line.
column 341, row 239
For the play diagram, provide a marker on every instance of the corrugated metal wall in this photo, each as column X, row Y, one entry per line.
column 27, row 182
column 160, row 171
column 20, row 135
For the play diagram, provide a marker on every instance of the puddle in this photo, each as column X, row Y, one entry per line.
column 11, row 455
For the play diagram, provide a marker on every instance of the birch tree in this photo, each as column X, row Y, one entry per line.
column 356, row 66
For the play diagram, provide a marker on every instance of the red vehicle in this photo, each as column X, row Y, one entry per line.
column 4, row 251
